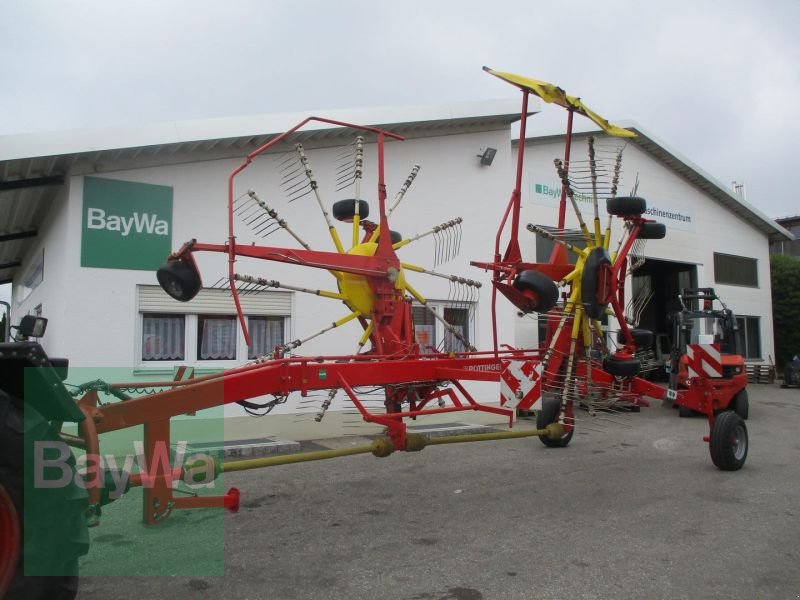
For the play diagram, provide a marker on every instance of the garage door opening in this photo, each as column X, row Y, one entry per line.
column 661, row 281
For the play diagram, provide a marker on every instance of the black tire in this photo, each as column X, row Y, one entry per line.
column 626, row 206
column 595, row 278
column 395, row 236
column 652, row 231
column 345, row 210
column 729, row 442
column 629, row 367
column 740, row 404
column 685, row 413
column 643, row 338
column 542, row 291
column 58, row 535
column 179, row 279
column 551, row 407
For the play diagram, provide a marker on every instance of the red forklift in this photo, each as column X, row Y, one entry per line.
column 707, row 374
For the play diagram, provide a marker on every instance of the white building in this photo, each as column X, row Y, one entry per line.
column 87, row 217
column 714, row 238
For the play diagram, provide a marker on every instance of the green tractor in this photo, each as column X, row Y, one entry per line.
column 43, row 521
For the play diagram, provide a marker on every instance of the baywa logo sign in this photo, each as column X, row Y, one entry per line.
column 126, row 225
column 555, row 192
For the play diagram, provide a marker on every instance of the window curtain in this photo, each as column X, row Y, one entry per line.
column 217, row 338
column 163, row 337
column 265, row 334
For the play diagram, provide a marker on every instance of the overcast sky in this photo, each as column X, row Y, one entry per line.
column 716, row 80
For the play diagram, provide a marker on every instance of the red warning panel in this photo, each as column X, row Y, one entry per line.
column 704, row 360
column 521, row 385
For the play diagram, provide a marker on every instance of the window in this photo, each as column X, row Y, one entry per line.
column 163, row 337
column 216, row 337
column 749, row 336
column 265, row 334
column 735, row 270
column 432, row 335
column 206, row 330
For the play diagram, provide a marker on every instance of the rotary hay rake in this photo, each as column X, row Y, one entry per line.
column 572, row 366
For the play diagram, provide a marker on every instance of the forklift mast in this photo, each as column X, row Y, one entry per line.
column 698, row 305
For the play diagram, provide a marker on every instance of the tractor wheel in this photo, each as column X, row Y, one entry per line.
column 643, row 338
column 541, row 290
column 685, row 413
column 728, row 444
column 652, row 231
column 740, row 404
column 345, row 210
column 626, row 206
column 179, row 279
column 50, row 543
column 10, row 539
column 551, row 407
column 621, row 368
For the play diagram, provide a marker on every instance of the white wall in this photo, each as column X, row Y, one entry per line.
column 56, row 289
column 93, row 311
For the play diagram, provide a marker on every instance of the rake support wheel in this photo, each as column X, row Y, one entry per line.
column 551, row 407
column 345, row 210
column 728, row 443
column 179, row 279
column 541, row 290
column 626, row 206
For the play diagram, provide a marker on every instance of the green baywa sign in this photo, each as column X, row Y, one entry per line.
column 126, row 225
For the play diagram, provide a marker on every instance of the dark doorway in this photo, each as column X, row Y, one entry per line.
column 664, row 280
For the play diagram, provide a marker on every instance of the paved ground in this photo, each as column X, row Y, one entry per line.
column 632, row 509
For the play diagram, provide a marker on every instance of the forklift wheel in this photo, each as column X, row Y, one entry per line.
column 728, row 443
column 740, row 404
column 549, row 414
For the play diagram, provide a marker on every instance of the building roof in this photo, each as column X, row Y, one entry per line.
column 33, row 167
column 650, row 144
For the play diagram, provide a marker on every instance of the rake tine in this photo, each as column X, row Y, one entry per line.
column 300, row 184
column 347, row 175
column 304, row 194
column 287, row 163
column 345, row 185
column 268, row 232
column 251, row 210
column 263, row 227
column 290, row 177
column 258, row 219
column 240, row 198
column 242, row 209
